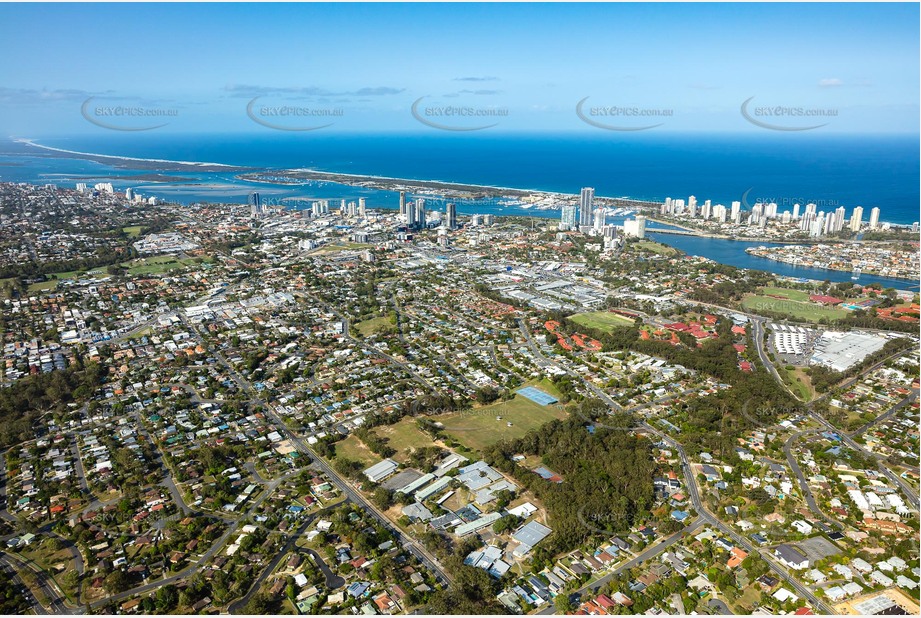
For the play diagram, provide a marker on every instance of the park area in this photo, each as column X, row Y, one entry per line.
column 481, row 427
column 155, row 265
column 403, row 437
column 602, row 320
column 354, row 449
column 790, row 302
column 375, row 325
column 655, row 247
column 475, row 428
column 340, row 246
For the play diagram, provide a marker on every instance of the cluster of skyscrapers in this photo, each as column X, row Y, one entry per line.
column 351, row 209
column 586, row 218
column 811, row 220
column 106, row 187
column 414, row 213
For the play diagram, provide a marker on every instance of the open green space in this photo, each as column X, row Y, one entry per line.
column 133, row 231
column 481, row 427
column 354, row 449
column 342, row 246
column 161, row 264
column 374, row 325
column 67, row 274
column 798, row 382
column 545, row 385
column 403, row 437
column 787, row 293
column 42, row 286
column 602, row 320
column 144, row 332
column 802, row 310
column 656, row 247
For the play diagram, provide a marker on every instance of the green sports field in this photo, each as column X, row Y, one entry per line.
column 479, row 428
column 807, row 310
column 602, row 320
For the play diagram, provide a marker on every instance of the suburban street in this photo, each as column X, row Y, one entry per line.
column 409, row 543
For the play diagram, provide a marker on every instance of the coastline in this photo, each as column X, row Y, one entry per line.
column 251, row 174
column 146, row 164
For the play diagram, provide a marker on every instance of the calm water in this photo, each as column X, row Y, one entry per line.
column 733, row 252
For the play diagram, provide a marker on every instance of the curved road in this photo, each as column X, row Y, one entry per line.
column 801, row 478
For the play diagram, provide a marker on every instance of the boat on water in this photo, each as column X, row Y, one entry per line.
column 856, row 274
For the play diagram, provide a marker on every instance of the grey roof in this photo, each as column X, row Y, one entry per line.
column 790, row 554
column 532, row 533
column 402, row 479
column 381, row 470
column 417, row 511
column 445, row 521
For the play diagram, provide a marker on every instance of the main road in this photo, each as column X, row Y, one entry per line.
column 801, row 478
column 355, row 496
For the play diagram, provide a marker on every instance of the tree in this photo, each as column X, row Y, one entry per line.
column 71, row 579
column 117, row 581
column 563, row 604
column 382, row 498
column 166, row 599
column 261, row 603
column 486, row 395
column 504, row 524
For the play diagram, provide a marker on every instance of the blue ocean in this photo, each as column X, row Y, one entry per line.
column 831, row 170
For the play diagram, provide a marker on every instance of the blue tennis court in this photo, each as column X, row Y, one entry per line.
column 537, row 396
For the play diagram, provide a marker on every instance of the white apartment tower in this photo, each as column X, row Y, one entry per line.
column 585, row 206
column 857, row 219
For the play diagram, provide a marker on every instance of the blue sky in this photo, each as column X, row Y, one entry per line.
column 693, row 65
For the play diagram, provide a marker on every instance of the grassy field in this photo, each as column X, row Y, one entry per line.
column 602, row 320
column 144, row 332
column 342, row 246
column 53, row 278
column 132, row 231
column 798, row 382
column 545, row 385
column 478, row 428
column 142, row 266
column 42, row 286
column 374, row 325
column 353, row 448
column 403, row 437
column 656, row 247
column 804, row 310
column 787, row 293
column 160, row 264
